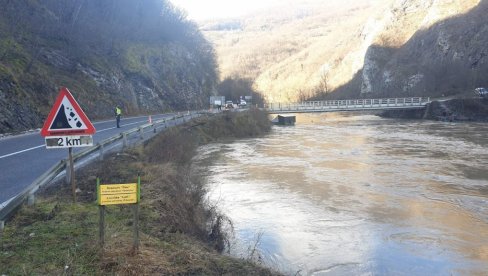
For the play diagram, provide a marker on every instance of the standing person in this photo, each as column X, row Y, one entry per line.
column 118, row 113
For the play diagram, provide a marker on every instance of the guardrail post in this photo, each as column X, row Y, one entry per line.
column 68, row 172
column 141, row 131
column 2, row 226
column 101, row 152
column 31, row 199
column 124, row 140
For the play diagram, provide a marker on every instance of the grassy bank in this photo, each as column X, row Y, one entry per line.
column 180, row 232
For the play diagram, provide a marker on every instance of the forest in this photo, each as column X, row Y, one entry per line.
column 145, row 56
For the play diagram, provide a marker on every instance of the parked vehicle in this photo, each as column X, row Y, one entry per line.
column 482, row 92
column 229, row 104
column 242, row 103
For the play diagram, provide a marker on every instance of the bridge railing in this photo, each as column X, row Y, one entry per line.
column 349, row 104
column 122, row 140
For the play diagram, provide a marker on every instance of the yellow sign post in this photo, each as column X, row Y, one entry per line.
column 112, row 194
column 118, row 194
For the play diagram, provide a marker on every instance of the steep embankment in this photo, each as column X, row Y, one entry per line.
column 142, row 55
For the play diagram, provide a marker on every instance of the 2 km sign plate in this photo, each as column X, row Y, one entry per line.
column 69, row 141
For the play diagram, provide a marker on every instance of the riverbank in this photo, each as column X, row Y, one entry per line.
column 354, row 194
column 470, row 109
column 181, row 233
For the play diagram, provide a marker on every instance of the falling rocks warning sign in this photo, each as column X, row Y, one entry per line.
column 66, row 117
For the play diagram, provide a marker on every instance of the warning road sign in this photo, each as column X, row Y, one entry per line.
column 66, row 117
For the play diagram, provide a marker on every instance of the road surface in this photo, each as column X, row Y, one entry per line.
column 24, row 158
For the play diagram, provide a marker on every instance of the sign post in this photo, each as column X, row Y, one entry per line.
column 101, row 222
column 114, row 194
column 135, row 246
column 72, row 173
column 67, row 126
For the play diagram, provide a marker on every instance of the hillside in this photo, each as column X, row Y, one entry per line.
column 142, row 55
column 442, row 58
column 340, row 49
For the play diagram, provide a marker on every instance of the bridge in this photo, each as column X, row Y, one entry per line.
column 348, row 105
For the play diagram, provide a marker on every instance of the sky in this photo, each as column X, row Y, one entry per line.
column 216, row 9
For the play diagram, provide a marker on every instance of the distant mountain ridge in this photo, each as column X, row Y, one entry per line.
column 343, row 49
column 142, row 55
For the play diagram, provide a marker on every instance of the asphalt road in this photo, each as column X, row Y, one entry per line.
column 24, row 158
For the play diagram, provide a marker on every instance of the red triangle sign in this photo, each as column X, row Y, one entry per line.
column 66, row 117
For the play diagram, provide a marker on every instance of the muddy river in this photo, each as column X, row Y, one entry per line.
column 356, row 194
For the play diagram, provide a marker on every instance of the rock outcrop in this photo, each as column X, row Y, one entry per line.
column 142, row 55
column 474, row 109
column 446, row 54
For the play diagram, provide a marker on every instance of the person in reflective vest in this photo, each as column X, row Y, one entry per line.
column 118, row 113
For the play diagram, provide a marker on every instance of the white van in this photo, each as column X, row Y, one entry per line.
column 481, row 91
column 242, row 103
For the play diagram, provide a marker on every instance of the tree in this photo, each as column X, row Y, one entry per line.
column 324, row 83
column 234, row 87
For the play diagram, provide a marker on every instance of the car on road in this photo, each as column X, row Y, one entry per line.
column 229, row 104
column 242, row 103
column 482, row 92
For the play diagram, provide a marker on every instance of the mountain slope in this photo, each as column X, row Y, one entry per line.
column 142, row 55
column 338, row 46
column 286, row 48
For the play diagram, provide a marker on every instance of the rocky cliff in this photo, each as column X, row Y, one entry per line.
column 142, row 55
column 472, row 109
column 446, row 55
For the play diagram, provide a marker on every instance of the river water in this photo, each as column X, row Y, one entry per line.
column 356, row 194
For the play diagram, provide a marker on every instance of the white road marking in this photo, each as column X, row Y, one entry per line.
column 36, row 147
column 21, row 151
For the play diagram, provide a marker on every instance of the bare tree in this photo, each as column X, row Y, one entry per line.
column 324, row 83
column 301, row 95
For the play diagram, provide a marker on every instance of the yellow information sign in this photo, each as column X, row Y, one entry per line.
column 116, row 189
column 110, row 194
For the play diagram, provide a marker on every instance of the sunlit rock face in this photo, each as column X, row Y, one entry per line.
column 428, row 48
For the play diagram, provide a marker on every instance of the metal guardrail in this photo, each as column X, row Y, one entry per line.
column 28, row 193
column 348, row 105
